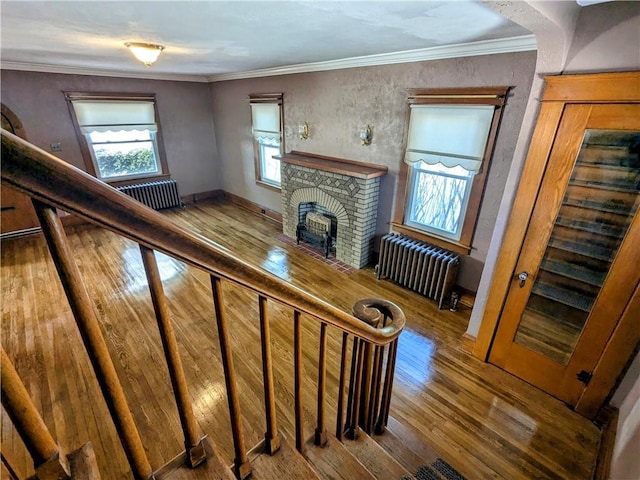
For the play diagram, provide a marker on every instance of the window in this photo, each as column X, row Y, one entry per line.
column 266, row 122
column 450, row 139
column 119, row 135
column 438, row 197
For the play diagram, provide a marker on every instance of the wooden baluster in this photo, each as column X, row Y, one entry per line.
column 193, row 443
column 320, row 437
column 365, row 396
column 356, row 382
column 352, row 381
column 376, row 381
column 343, row 374
column 297, row 362
column 49, row 462
column 272, row 441
column 383, row 416
column 93, row 340
column 242, row 467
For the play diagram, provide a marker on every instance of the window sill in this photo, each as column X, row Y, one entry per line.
column 440, row 242
column 270, row 186
column 133, row 181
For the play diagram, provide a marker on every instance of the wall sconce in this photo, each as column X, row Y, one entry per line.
column 366, row 135
column 147, row 53
column 303, row 131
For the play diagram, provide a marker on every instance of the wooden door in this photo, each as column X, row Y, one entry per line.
column 578, row 271
column 17, row 212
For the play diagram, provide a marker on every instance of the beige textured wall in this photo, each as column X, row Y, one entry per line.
column 607, row 38
column 625, row 463
column 184, row 108
column 337, row 104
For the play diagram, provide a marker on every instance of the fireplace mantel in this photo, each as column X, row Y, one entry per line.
column 342, row 166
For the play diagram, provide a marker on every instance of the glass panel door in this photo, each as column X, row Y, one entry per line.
column 599, row 203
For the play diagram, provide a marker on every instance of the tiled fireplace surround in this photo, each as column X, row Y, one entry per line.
column 349, row 190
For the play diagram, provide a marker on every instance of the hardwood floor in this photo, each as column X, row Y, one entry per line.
column 483, row 421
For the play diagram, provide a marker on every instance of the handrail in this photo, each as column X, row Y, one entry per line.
column 43, row 176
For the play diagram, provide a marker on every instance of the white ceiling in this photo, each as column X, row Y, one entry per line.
column 226, row 39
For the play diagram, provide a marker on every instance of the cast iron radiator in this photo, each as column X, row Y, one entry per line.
column 420, row 266
column 157, row 195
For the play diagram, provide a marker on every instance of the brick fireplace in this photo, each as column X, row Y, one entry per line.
column 343, row 190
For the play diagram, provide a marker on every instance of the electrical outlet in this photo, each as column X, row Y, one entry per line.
column 56, row 147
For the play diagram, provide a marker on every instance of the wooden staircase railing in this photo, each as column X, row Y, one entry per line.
column 49, row 461
column 375, row 324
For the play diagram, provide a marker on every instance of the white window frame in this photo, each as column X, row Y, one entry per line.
column 265, row 135
column 85, row 125
column 416, row 171
column 132, row 176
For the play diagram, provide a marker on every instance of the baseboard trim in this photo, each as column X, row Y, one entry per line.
column 20, row 233
column 468, row 342
column 254, row 207
column 68, row 220
column 608, row 418
column 201, row 196
column 467, row 297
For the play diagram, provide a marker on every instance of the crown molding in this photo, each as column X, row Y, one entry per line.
column 470, row 49
column 485, row 47
column 41, row 67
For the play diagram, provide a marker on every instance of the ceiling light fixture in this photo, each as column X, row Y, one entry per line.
column 147, row 53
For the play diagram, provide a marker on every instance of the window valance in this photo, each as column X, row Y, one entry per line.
column 454, row 135
column 266, row 121
column 114, row 115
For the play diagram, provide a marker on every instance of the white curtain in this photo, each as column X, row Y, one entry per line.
column 265, row 118
column 114, row 115
column 449, row 134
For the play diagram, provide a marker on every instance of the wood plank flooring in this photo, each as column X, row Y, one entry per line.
column 484, row 422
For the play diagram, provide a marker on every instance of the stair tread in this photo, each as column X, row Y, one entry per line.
column 212, row 469
column 375, row 458
column 287, row 463
column 404, row 446
column 333, row 461
column 83, row 463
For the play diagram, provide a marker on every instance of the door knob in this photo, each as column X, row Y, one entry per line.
column 522, row 276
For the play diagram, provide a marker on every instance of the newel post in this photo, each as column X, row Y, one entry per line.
column 372, row 370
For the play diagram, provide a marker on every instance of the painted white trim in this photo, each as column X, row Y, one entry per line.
column 20, row 233
column 485, row 47
column 41, row 67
